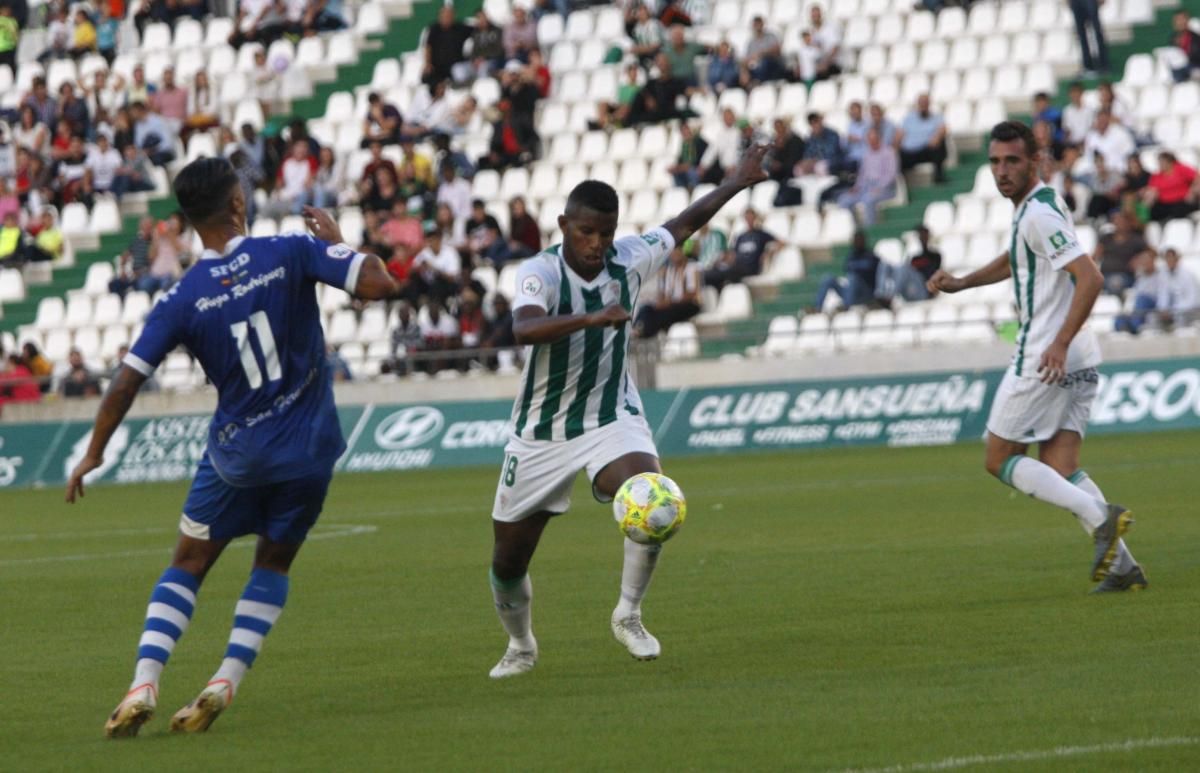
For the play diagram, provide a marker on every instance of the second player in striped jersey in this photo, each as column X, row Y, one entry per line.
column 578, row 409
column 1047, row 394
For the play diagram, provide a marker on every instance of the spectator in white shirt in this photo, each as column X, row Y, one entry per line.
column 828, row 38
column 808, row 57
column 723, row 151
column 455, row 192
column 439, row 332
column 1180, row 294
column 678, row 299
column 296, row 178
column 103, row 161
column 430, row 111
column 1109, row 139
column 436, row 270
column 1077, row 118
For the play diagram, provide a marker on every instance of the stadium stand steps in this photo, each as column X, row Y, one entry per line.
column 794, row 297
column 403, row 34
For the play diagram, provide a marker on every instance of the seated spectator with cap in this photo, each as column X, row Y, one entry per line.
column 1119, row 252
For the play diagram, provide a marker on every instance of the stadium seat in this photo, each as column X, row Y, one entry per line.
column 735, row 303
column 550, row 29
column 579, row 27
column 217, row 31
column 155, row 37
column 342, row 49
column 189, row 33
column 683, row 342
column 135, row 308
column 781, row 335
column 106, row 216
column 371, row 20
column 107, row 310
column 112, row 339
column 57, row 345
column 12, row 285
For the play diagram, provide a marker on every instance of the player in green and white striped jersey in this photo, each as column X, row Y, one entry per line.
column 577, row 408
column 1047, row 393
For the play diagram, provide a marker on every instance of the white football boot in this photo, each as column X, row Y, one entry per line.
column 515, row 662
column 630, row 632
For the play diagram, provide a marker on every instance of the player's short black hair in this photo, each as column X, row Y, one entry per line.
column 594, row 195
column 1008, row 131
column 204, row 189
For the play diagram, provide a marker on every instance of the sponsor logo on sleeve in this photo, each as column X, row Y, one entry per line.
column 531, row 286
column 339, row 251
column 1058, row 240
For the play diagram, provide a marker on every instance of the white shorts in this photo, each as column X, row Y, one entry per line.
column 1027, row 411
column 538, row 475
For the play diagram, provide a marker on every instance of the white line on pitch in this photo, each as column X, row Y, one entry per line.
column 955, row 763
column 336, row 530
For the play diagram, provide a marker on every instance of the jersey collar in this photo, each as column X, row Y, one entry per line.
column 230, row 246
column 1037, row 187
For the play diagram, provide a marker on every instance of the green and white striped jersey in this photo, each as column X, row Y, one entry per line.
column 1043, row 243
column 582, row 382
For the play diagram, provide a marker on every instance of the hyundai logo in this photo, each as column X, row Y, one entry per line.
column 408, row 428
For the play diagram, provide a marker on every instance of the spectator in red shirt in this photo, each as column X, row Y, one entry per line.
column 540, row 73
column 17, row 383
column 1172, row 191
column 524, row 233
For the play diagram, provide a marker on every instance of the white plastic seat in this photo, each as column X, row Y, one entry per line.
column 50, row 313
column 12, row 285
column 781, row 335
column 579, row 27
column 155, row 37
column 135, row 308
column 515, row 182
column 95, row 283
column 74, row 220
column 189, row 33
column 371, row 20
column 57, row 345
column 106, row 216
column 683, row 342
column 112, row 339
column 593, row 147
column 735, row 302
column 342, row 49
column 217, row 31
column 107, row 310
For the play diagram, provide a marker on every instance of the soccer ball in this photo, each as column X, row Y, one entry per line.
column 649, row 508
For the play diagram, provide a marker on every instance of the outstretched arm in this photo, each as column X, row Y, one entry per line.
column 749, row 172
column 996, row 271
column 113, row 408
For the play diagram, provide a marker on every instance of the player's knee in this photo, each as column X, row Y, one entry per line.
column 993, row 464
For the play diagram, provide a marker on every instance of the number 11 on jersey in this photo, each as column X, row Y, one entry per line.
column 266, row 341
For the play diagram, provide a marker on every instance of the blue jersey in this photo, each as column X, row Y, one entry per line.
column 251, row 318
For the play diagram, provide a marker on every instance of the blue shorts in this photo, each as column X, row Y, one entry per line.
column 282, row 512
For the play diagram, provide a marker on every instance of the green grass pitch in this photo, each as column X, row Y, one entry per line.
column 819, row 611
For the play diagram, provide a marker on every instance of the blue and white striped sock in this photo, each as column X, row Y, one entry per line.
column 260, row 606
column 167, row 618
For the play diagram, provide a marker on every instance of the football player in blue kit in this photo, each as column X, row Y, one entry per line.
column 247, row 311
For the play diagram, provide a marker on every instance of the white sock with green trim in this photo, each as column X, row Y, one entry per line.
column 1040, row 481
column 514, row 599
column 1124, row 560
column 636, row 574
